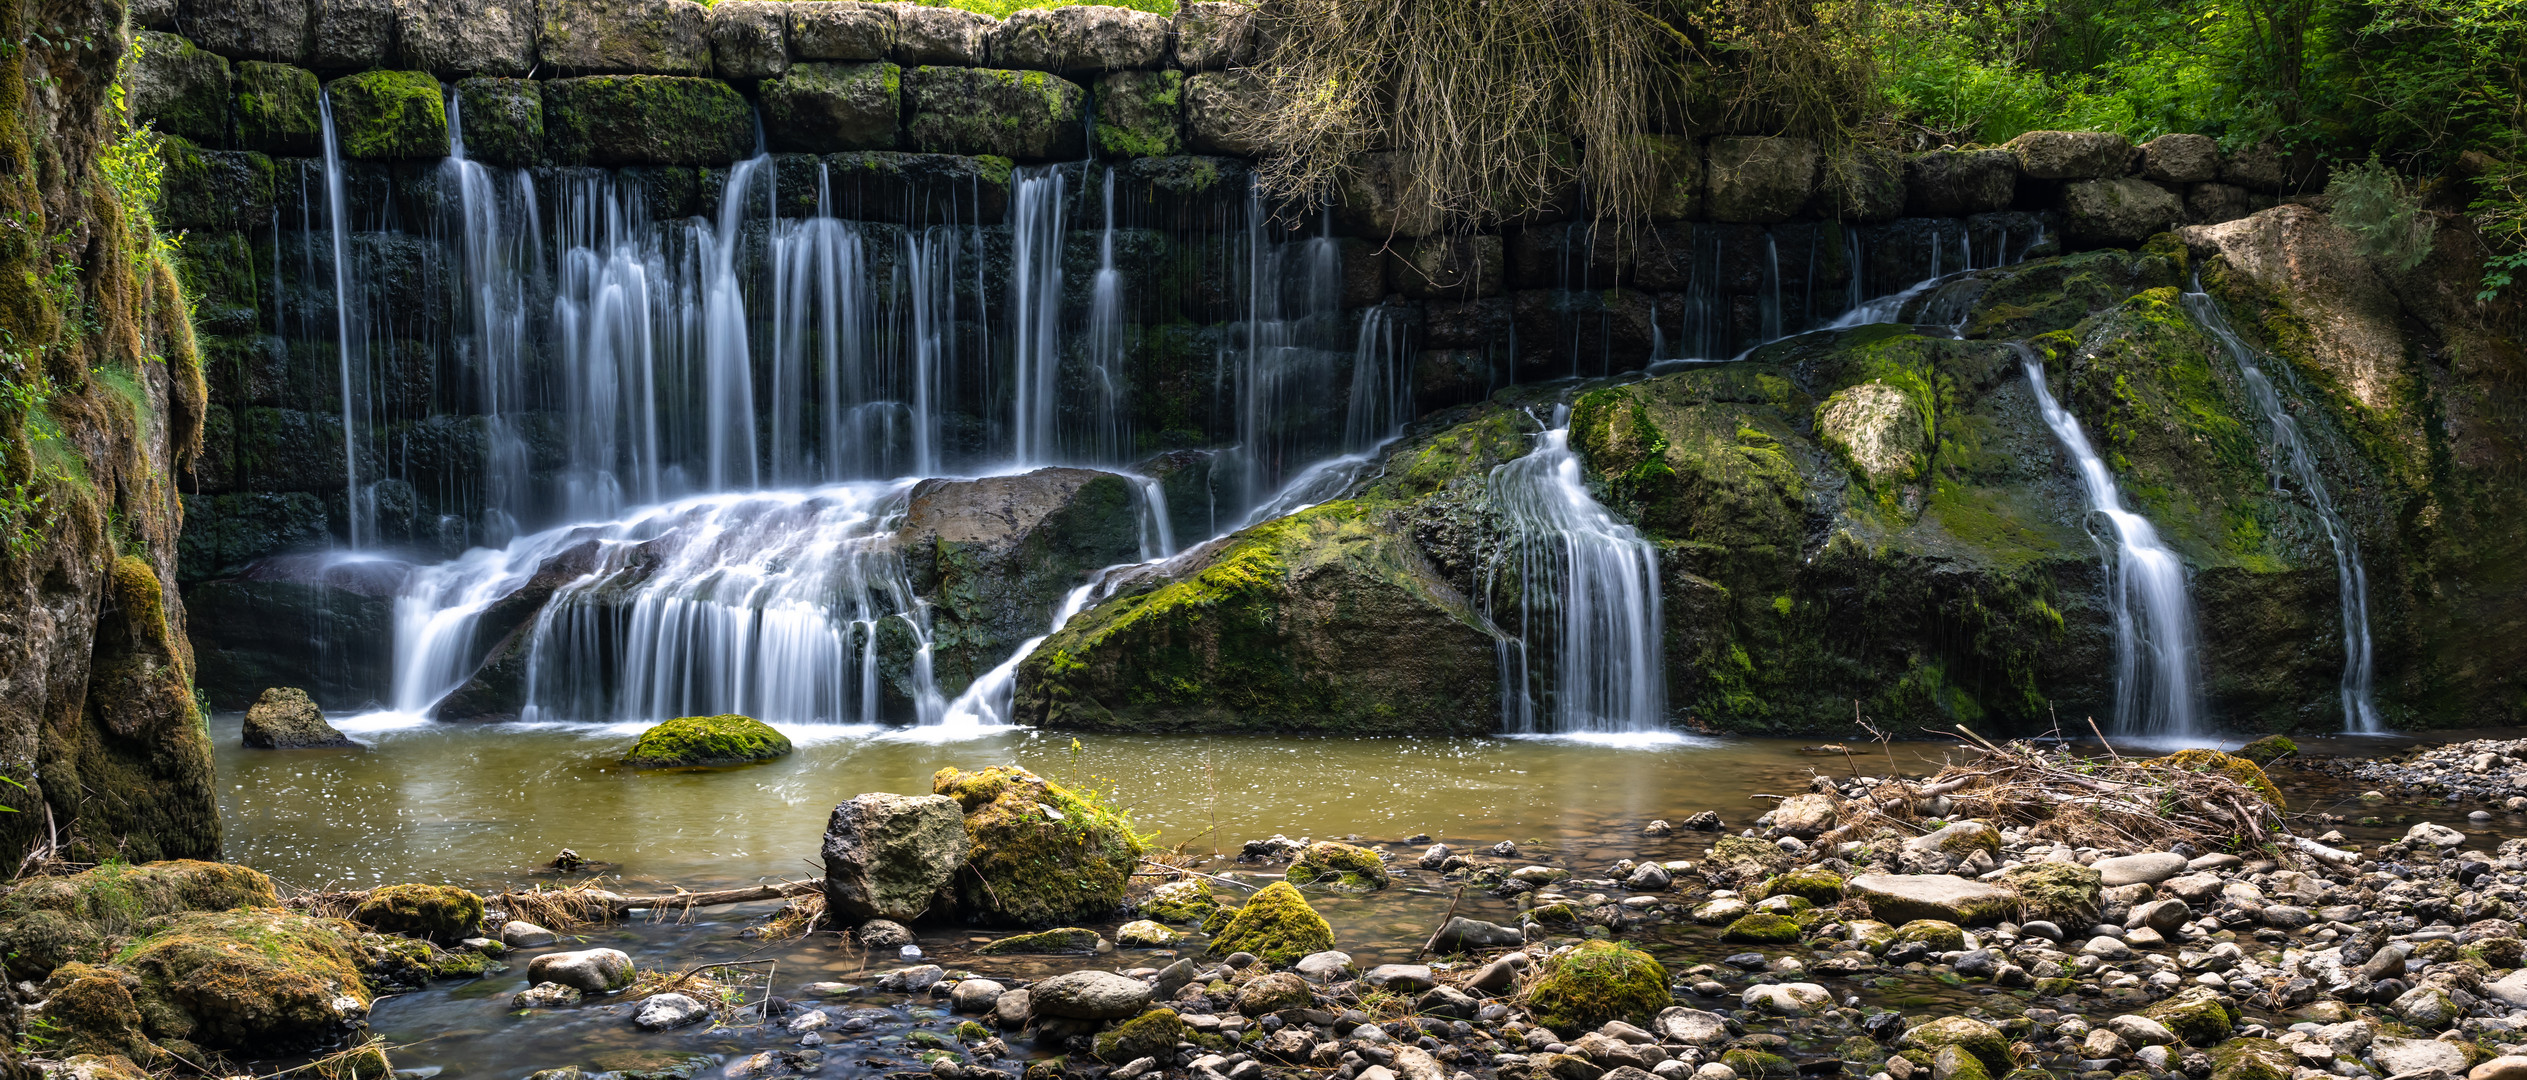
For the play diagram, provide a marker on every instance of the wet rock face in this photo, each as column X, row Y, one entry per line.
column 454, row 39
column 646, row 120
column 840, row 30
column 1020, row 115
column 892, row 857
column 996, row 556
column 826, row 107
column 627, row 37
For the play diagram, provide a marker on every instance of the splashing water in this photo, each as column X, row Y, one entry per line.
column 1586, row 659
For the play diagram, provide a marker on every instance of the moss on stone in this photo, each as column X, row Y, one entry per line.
column 645, row 120
column 1181, row 902
column 1277, row 925
column 2061, row 892
column 1039, row 854
column 1068, row 940
column 727, row 739
column 2195, row 1015
column 276, row 109
column 1595, row 982
column 259, row 981
column 1339, row 866
column 1810, row 884
column 1753, row 1064
column 2266, row 750
column 56, row 920
column 1983, row 1042
column 389, row 115
column 1747, row 857
column 1939, row 934
column 1153, row 1034
column 439, row 911
column 1140, row 114
column 2236, row 768
column 502, row 120
column 1559, row 916
column 1762, row 928
column 2252, row 1059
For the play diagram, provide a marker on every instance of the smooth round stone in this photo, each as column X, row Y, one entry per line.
column 2148, row 868
column 2041, row 929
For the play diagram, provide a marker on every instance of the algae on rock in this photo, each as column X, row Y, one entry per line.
column 688, row 741
column 1038, row 853
column 1276, row 924
column 1597, row 982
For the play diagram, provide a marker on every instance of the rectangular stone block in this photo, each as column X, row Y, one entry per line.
column 823, row 108
column 454, row 39
column 646, row 120
column 627, row 37
column 750, row 39
column 1083, row 39
column 274, row 30
column 276, row 109
column 178, row 86
column 502, row 120
column 941, row 35
column 1019, row 115
column 840, row 30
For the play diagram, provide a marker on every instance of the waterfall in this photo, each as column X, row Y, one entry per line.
column 1108, row 347
column 361, row 518
column 1037, row 202
column 1586, row 658
column 728, row 368
column 1291, row 348
column 499, row 253
column 2157, row 690
column 2360, row 712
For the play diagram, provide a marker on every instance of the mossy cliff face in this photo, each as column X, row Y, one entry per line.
column 103, row 413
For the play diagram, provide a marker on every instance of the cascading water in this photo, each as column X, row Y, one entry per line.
column 2157, row 691
column 499, row 252
column 1585, row 659
column 1038, row 201
column 360, row 516
column 1107, row 344
column 2360, row 711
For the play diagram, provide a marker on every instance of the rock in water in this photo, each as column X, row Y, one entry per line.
column 662, row 1011
column 727, row 739
column 1042, row 856
column 892, row 857
column 1089, row 995
column 285, row 718
column 594, row 971
column 1906, row 897
column 1276, row 924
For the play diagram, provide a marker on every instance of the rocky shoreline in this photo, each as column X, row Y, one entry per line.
column 1874, row 927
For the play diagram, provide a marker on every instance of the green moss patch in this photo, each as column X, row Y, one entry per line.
column 1180, row 902
column 1596, row 982
column 1762, row 927
column 1339, row 866
column 440, row 911
column 248, row 980
column 2060, row 892
column 2236, row 768
column 1153, row 1034
column 1068, row 940
column 1039, row 854
column 389, row 115
column 687, row 741
column 1277, row 925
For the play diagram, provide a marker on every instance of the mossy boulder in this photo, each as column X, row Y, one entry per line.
column 824, row 108
column 2060, row 892
column 389, row 115
column 1140, row 114
column 1180, row 902
column 646, row 120
column 444, row 912
column 1329, row 620
column 1940, row 935
column 1752, row 1064
column 1870, row 934
column 2236, row 768
column 92, row 1011
column 1277, row 925
column 248, row 980
column 2252, row 1059
column 1956, row 1063
column 285, row 718
column 994, row 556
column 276, row 109
column 1762, row 927
column 1339, row 866
column 688, row 741
column 48, row 922
column 1812, row 885
column 1153, row 1034
column 1068, row 940
column 2266, row 750
column 1595, row 982
column 2195, row 1015
column 1038, row 854
column 1020, row 115
column 1747, row 858
column 1984, row 1042
column 177, row 86
column 1556, row 916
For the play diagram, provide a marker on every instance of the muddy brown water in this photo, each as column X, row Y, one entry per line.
column 486, row 806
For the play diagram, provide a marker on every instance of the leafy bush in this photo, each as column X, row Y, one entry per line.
column 2375, row 204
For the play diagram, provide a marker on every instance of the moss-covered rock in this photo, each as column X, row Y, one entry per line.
column 823, row 108
column 276, row 109
column 642, row 37
column 1748, row 858
column 1339, row 866
column 1020, row 115
column 389, row 115
column 1596, row 982
column 1984, row 1042
column 178, row 87
column 437, row 911
column 1327, row 620
column 1068, row 940
column 247, row 980
column 1140, row 114
column 994, row 556
column 1039, row 854
column 48, row 922
column 1940, row 935
column 1276, row 924
column 1813, row 885
column 2252, row 1059
column 91, row 1011
column 645, row 120
column 222, row 191
column 1753, row 1064
column 727, row 739
column 1152, row 1034
column 2235, row 768
column 502, row 121
column 2060, row 892
column 2195, row 1015
column 1181, row 902
column 2266, row 750
column 1562, row 916
column 1762, row 928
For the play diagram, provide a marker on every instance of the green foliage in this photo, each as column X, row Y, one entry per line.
column 132, row 163
column 2377, row 206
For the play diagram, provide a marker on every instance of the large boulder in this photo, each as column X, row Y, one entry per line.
column 996, row 556
column 50, row 921
column 389, row 115
column 444, row 912
column 1020, row 115
column 1954, row 183
column 285, row 718
column 627, row 37
column 646, row 120
column 840, row 30
column 750, row 38
column 1597, row 983
column 2181, row 159
column 2072, row 155
column 2314, row 270
column 257, row 981
column 689, row 741
column 454, row 39
column 274, row 30
column 1212, row 34
column 1326, row 620
column 1080, row 39
column 180, row 88
column 892, row 856
column 946, row 36
column 1039, row 854
column 821, row 108
column 1759, row 179
column 1900, row 898
column 591, row 971
column 2118, row 212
